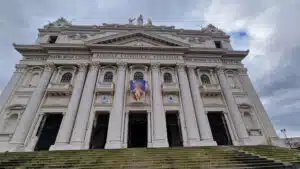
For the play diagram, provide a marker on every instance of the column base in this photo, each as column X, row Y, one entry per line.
column 160, row 143
column 194, row 143
column 276, row 141
column 113, row 145
column 66, row 146
column 245, row 141
column 16, row 147
column 209, row 142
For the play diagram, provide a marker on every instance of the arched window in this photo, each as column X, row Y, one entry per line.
column 205, row 79
column 168, row 78
column 108, row 77
column 66, row 78
column 138, row 76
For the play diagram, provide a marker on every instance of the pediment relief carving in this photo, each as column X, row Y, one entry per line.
column 137, row 39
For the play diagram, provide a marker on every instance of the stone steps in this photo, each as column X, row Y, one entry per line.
column 167, row 158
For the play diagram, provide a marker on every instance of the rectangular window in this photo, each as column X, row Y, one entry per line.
column 218, row 44
column 52, row 39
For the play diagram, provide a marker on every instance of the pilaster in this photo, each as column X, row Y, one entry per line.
column 115, row 118
column 233, row 108
column 65, row 131
column 262, row 115
column 160, row 138
column 79, row 130
column 203, row 124
column 188, row 107
column 12, row 85
column 24, row 125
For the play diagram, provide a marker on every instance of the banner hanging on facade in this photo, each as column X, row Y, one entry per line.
column 137, row 87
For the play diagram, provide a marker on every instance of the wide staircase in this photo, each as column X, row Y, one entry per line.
column 139, row 158
column 276, row 153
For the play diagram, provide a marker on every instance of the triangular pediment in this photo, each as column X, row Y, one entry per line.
column 138, row 39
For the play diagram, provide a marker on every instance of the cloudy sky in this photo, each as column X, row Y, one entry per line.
column 269, row 28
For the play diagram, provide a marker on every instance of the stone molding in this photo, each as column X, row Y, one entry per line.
column 20, row 67
column 95, row 65
column 122, row 66
column 220, row 69
column 155, row 66
column 180, row 66
column 82, row 67
column 243, row 71
column 49, row 67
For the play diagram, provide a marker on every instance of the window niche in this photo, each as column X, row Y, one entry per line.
column 138, row 72
column 250, row 120
column 107, row 74
column 64, row 75
column 12, row 117
column 168, row 75
column 32, row 77
column 232, row 79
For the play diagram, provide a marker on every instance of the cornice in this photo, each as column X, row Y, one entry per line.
column 117, row 27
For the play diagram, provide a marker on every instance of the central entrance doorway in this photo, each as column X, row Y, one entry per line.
column 219, row 128
column 173, row 129
column 137, row 130
column 47, row 131
column 99, row 131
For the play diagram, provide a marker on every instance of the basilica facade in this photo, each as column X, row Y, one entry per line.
column 132, row 85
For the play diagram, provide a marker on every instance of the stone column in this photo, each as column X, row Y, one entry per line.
column 113, row 140
column 79, row 130
column 65, row 131
column 12, row 84
column 232, row 106
column 160, row 137
column 188, row 107
column 265, row 121
column 203, row 124
column 24, row 125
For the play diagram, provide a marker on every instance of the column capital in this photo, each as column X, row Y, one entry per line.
column 220, row 69
column 49, row 67
column 155, row 66
column 20, row 67
column 191, row 67
column 82, row 67
column 243, row 71
column 122, row 65
column 180, row 66
column 95, row 65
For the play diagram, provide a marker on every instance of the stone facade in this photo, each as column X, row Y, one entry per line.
column 64, row 73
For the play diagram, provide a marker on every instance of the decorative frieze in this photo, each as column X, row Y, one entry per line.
column 231, row 62
column 204, row 60
column 67, row 57
column 135, row 56
column 35, row 58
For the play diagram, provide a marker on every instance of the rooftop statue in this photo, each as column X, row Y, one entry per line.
column 130, row 20
column 140, row 20
column 60, row 22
